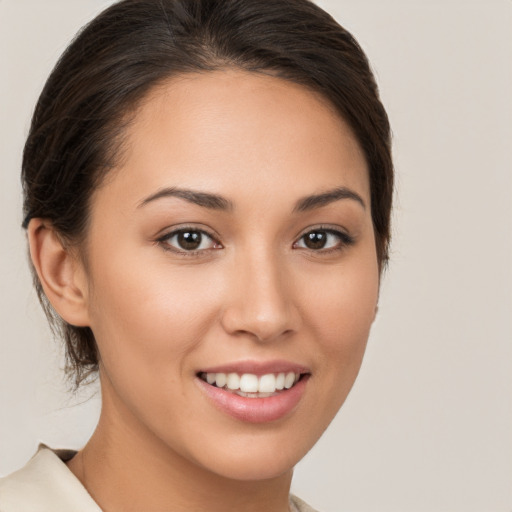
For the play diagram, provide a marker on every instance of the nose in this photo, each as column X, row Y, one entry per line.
column 261, row 301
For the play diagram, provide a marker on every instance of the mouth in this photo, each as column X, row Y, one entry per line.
column 255, row 392
column 250, row 385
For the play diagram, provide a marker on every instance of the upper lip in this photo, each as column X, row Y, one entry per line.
column 257, row 367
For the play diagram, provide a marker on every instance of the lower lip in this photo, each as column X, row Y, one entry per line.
column 256, row 410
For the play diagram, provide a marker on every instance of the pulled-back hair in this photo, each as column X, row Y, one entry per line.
column 77, row 129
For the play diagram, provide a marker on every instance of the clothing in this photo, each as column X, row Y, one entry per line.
column 46, row 484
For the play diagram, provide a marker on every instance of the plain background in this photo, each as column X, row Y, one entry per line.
column 428, row 425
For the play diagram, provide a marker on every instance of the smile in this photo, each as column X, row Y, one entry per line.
column 250, row 385
column 255, row 392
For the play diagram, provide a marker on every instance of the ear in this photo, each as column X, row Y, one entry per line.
column 60, row 272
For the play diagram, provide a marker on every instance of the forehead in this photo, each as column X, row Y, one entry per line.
column 236, row 129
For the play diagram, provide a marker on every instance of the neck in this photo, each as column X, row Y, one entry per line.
column 124, row 467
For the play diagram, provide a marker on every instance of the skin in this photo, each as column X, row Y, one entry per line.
column 257, row 293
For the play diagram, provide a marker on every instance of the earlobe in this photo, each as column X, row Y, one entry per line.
column 60, row 273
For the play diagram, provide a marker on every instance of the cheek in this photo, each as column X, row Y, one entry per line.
column 148, row 312
column 341, row 312
column 343, row 301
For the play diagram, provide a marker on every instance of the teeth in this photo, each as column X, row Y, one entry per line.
column 289, row 380
column 220, row 379
column 233, row 381
column 249, row 384
column 267, row 384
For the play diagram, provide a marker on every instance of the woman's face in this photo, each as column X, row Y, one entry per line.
column 233, row 242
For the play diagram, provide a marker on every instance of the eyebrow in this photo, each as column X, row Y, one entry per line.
column 323, row 199
column 218, row 202
column 204, row 199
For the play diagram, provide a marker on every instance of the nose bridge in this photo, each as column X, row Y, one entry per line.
column 260, row 302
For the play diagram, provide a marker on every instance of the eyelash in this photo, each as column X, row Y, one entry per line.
column 163, row 241
column 345, row 241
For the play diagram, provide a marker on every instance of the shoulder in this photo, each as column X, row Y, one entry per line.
column 45, row 484
column 297, row 505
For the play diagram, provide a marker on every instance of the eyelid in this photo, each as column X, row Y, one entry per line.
column 345, row 238
column 174, row 230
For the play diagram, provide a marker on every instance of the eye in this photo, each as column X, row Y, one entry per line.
column 190, row 240
column 323, row 239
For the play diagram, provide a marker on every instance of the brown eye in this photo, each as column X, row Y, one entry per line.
column 324, row 239
column 315, row 240
column 188, row 240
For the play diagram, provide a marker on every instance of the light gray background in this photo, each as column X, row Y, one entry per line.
column 428, row 425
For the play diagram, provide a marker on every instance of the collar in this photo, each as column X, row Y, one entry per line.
column 45, row 484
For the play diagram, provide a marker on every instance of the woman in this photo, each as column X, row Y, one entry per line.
column 207, row 199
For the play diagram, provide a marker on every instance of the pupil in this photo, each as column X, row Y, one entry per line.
column 316, row 240
column 189, row 239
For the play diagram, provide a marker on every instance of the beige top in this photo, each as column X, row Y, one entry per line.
column 46, row 484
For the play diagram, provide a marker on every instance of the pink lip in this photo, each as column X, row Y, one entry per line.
column 257, row 367
column 255, row 410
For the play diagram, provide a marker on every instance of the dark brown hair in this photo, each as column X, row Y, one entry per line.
column 77, row 128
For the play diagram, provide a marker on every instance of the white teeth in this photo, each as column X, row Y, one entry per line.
column 233, row 381
column 267, row 383
column 248, row 384
column 220, row 379
column 289, row 380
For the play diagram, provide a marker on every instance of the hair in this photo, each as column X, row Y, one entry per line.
column 77, row 128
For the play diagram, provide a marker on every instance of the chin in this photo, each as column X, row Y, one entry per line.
column 256, row 458
column 251, row 468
